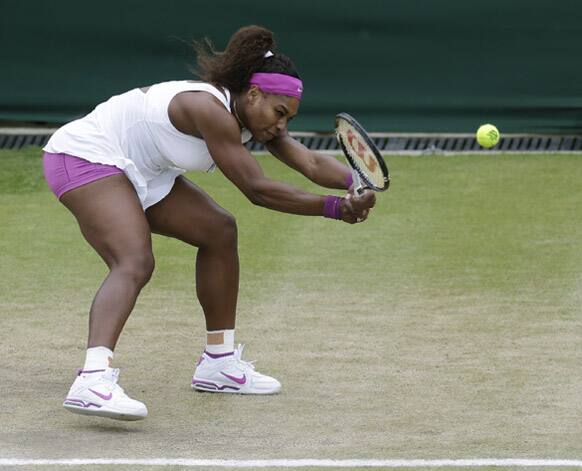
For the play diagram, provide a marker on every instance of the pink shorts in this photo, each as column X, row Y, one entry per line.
column 64, row 172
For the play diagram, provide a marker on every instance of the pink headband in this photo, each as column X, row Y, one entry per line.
column 279, row 84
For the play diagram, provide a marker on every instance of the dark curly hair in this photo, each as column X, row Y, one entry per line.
column 244, row 55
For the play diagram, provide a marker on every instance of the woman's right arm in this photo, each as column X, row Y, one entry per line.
column 200, row 114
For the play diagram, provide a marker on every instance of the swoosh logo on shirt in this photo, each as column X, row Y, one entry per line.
column 102, row 396
column 242, row 380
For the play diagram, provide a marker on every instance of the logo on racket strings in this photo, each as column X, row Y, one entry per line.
column 362, row 151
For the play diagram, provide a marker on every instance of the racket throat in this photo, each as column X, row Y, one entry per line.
column 358, row 188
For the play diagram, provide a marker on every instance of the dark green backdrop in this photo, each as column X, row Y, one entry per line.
column 397, row 65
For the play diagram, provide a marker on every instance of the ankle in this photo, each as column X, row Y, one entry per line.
column 219, row 342
column 97, row 359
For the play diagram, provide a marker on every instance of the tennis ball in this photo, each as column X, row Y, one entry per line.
column 487, row 135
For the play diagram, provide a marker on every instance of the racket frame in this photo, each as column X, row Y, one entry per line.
column 359, row 175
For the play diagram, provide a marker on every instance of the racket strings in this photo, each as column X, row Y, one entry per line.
column 362, row 156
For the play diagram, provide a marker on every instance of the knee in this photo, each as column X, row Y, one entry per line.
column 138, row 268
column 223, row 230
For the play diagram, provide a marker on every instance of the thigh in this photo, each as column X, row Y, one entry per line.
column 187, row 213
column 111, row 218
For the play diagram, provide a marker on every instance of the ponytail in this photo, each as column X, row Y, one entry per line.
column 243, row 56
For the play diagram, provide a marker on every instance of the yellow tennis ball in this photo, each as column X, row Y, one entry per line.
column 487, row 135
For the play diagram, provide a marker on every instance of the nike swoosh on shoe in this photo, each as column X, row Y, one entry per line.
column 102, row 396
column 242, row 380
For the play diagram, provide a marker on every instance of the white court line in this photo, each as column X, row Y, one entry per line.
column 289, row 463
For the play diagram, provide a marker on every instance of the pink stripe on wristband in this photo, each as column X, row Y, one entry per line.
column 331, row 207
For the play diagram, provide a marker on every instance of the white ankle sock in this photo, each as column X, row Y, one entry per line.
column 226, row 346
column 98, row 358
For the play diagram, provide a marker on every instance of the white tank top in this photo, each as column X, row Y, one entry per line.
column 133, row 132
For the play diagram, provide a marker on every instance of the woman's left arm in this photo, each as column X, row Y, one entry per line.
column 325, row 170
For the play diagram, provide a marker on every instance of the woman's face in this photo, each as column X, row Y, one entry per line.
column 266, row 115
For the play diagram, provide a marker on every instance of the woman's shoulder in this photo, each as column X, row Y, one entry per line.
column 161, row 94
column 211, row 85
column 191, row 111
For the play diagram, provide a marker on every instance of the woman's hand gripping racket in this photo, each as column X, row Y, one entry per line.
column 368, row 167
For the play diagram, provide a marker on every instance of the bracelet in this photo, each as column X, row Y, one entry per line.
column 331, row 207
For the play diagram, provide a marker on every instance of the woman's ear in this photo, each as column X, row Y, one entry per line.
column 253, row 94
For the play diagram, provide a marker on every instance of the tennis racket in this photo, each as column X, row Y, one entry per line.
column 368, row 167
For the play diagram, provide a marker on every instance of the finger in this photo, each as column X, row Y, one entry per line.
column 361, row 212
column 365, row 201
column 347, row 205
column 369, row 198
column 362, row 217
column 372, row 200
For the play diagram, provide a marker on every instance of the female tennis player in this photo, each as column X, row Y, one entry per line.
column 118, row 170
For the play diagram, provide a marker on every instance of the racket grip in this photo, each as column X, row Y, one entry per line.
column 358, row 188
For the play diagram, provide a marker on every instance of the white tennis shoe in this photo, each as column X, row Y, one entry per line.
column 228, row 373
column 97, row 393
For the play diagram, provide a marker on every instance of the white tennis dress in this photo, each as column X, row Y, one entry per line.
column 133, row 132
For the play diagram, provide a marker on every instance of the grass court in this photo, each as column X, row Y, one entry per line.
column 447, row 326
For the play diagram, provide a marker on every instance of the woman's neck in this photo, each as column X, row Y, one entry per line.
column 235, row 112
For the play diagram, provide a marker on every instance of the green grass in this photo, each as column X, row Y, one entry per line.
column 446, row 326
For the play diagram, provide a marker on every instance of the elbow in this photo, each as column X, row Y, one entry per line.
column 255, row 196
column 262, row 192
column 257, row 200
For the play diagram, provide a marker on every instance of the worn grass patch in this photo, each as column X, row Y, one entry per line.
column 447, row 325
